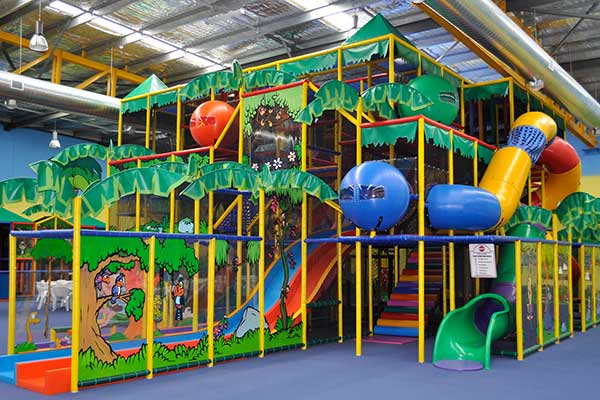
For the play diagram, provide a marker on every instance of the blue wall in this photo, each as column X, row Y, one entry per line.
column 20, row 147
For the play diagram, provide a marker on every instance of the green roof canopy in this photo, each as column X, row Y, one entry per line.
column 150, row 85
column 377, row 26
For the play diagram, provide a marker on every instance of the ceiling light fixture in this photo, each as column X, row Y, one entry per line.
column 54, row 142
column 38, row 42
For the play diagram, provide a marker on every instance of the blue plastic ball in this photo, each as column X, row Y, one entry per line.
column 374, row 195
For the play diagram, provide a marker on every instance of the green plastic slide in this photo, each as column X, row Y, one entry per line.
column 465, row 336
column 460, row 344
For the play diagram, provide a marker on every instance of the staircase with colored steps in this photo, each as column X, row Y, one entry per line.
column 400, row 315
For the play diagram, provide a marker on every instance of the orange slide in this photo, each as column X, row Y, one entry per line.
column 321, row 265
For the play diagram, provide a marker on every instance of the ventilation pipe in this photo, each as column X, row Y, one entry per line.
column 493, row 29
column 59, row 97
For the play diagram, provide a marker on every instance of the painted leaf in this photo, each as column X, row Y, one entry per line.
column 81, row 150
column 531, row 215
column 237, row 176
column 378, row 98
column 219, row 80
column 291, row 179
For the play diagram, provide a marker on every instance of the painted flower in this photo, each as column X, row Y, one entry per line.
column 292, row 156
column 277, row 163
column 268, row 164
column 255, row 166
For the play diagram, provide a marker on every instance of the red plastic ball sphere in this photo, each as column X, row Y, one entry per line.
column 208, row 121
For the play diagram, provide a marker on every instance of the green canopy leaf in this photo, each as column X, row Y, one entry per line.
column 145, row 180
column 333, row 95
column 238, row 176
column 378, row 98
column 267, row 78
column 292, row 179
column 531, row 215
column 81, row 150
column 218, row 80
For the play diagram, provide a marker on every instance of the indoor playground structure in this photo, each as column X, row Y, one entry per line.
column 340, row 195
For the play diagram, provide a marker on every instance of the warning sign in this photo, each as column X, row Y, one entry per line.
column 483, row 260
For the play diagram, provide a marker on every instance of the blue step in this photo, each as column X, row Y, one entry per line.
column 396, row 331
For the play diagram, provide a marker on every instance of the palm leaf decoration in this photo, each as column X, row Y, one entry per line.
column 333, row 95
column 223, row 175
column 578, row 210
column 217, row 81
column 83, row 172
column 294, row 180
column 20, row 194
column 267, row 77
column 82, row 150
column 378, row 98
column 531, row 215
column 145, row 180
column 128, row 151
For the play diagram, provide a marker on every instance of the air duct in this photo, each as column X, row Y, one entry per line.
column 493, row 29
column 59, row 97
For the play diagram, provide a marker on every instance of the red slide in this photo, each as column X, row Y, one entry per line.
column 322, row 264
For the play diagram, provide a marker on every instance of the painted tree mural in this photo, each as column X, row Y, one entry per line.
column 51, row 250
column 102, row 256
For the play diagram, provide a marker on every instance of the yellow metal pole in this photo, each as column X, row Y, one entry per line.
column 476, row 184
column 76, row 311
column 358, row 249
column 150, row 317
column 420, row 66
column 338, row 246
column 462, row 105
column 511, row 100
column 555, row 295
column 529, row 189
column 178, row 122
column 543, row 188
column 172, row 206
column 138, row 206
column 451, row 276
column 304, row 231
column 391, row 69
column 148, row 119
column 210, row 305
column 370, row 285
column 444, row 284
column 421, row 232
column 107, row 227
column 582, row 311
column 195, row 294
column 540, row 311
column 261, row 273
column 340, row 62
column 519, row 300
column 120, row 127
column 240, row 210
column 12, row 294
column 571, row 324
column 594, row 294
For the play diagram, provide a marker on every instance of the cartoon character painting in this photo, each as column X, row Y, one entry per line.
column 178, row 293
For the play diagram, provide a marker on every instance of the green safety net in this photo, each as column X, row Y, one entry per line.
column 267, row 78
column 145, row 180
column 333, row 95
column 378, row 98
column 520, row 94
column 486, row 92
column 217, row 81
column 80, row 150
column 150, row 85
column 530, row 215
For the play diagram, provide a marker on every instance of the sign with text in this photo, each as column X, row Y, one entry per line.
column 483, row 260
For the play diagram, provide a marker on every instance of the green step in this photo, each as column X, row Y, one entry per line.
column 407, row 310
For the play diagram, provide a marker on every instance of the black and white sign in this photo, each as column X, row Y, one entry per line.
column 483, row 260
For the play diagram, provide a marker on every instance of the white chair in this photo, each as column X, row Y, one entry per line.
column 61, row 294
column 42, row 293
